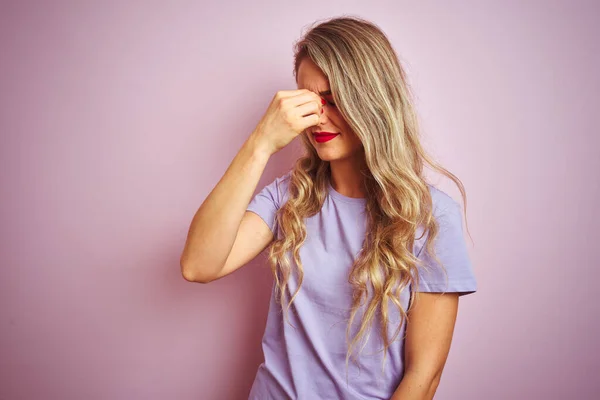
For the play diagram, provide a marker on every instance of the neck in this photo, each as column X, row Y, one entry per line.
column 347, row 176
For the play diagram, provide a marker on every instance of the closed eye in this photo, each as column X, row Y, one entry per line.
column 327, row 93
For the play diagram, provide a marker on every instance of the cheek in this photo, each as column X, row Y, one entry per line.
column 355, row 140
column 336, row 119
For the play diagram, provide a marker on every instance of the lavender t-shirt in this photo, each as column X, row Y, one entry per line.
column 308, row 360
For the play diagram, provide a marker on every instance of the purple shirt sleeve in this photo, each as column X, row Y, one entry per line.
column 266, row 202
column 451, row 250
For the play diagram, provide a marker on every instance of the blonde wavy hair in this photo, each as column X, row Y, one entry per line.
column 370, row 89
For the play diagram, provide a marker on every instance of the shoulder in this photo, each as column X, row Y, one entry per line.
column 277, row 189
column 282, row 183
column 283, row 180
column 443, row 203
column 269, row 200
column 446, row 211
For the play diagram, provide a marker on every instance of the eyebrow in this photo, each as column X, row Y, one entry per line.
column 325, row 93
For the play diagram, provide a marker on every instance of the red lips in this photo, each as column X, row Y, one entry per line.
column 325, row 133
column 321, row 137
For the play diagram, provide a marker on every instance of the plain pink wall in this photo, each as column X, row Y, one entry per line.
column 118, row 118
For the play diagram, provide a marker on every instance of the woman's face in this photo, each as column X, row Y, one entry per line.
column 345, row 144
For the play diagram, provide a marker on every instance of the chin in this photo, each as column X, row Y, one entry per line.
column 329, row 155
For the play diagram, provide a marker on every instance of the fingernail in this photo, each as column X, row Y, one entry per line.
column 323, row 101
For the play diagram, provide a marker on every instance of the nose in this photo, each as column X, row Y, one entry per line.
column 323, row 118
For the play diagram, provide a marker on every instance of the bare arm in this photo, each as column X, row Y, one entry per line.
column 223, row 236
column 215, row 225
column 427, row 344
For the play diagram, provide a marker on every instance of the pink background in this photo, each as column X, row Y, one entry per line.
column 118, row 118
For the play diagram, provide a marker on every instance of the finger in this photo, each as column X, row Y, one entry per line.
column 293, row 92
column 304, row 98
column 312, row 107
column 310, row 120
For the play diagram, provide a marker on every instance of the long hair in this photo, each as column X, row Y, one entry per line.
column 371, row 92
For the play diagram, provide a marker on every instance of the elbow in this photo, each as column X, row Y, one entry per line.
column 191, row 273
column 427, row 382
column 435, row 382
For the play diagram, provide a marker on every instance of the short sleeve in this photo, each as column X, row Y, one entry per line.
column 266, row 202
column 451, row 249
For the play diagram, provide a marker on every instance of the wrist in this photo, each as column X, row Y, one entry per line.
column 258, row 147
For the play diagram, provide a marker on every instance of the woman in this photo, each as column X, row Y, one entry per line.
column 368, row 258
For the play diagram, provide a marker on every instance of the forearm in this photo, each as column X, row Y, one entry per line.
column 214, row 227
column 415, row 387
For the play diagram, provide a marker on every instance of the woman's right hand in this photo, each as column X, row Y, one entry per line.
column 288, row 115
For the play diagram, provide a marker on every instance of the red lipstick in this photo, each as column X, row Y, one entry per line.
column 322, row 137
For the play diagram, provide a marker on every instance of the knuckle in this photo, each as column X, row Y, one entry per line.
column 284, row 102
column 290, row 120
column 287, row 113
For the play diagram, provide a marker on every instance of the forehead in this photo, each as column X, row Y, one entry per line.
column 311, row 77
